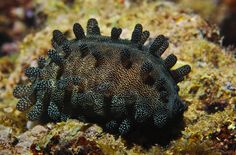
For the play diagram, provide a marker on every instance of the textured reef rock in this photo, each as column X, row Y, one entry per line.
column 209, row 91
column 121, row 84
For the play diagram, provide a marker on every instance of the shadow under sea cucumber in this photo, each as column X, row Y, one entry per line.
column 120, row 84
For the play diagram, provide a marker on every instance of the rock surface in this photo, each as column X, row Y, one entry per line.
column 210, row 89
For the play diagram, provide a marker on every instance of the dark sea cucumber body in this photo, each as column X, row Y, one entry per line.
column 114, row 82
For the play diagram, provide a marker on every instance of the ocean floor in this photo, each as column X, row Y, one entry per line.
column 209, row 90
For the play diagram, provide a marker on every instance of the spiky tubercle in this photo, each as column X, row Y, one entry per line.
column 115, row 33
column 159, row 45
column 78, row 31
column 59, row 37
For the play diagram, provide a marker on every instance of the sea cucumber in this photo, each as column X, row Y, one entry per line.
column 117, row 83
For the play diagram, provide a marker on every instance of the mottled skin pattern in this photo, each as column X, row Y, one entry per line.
column 117, row 83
